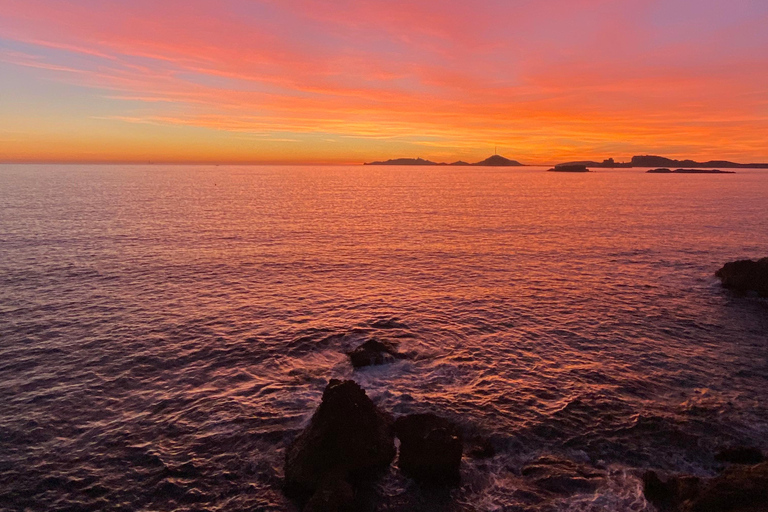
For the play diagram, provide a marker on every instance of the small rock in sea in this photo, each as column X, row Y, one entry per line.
column 562, row 476
column 388, row 323
column 570, row 168
column 430, row 448
column 740, row 455
column 737, row 489
column 746, row 276
column 347, row 440
column 662, row 170
column 374, row 352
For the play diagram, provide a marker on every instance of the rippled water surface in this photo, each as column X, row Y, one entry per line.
column 166, row 331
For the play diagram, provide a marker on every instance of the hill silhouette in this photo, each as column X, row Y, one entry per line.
column 492, row 161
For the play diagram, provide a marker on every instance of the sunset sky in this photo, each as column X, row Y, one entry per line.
column 320, row 81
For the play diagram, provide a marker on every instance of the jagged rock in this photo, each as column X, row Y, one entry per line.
column 746, row 276
column 562, row 476
column 737, row 489
column 347, row 439
column 740, row 455
column 374, row 352
column 430, row 448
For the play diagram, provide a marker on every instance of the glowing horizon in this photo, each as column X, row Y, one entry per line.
column 320, row 81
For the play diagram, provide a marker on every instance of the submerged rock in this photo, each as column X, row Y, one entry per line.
column 430, row 448
column 737, row 489
column 746, row 276
column 388, row 323
column 562, row 476
column 374, row 352
column 347, row 440
column 740, row 455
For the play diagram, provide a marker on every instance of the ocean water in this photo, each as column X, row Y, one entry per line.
column 165, row 331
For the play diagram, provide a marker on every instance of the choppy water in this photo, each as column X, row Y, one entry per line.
column 166, row 331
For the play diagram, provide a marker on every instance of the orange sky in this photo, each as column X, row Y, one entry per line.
column 349, row 81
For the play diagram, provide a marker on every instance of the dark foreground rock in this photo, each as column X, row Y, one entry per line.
column 740, row 455
column 746, row 276
column 348, row 439
column 430, row 448
column 374, row 352
column 737, row 489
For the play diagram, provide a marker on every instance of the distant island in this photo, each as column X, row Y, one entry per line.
column 492, row 161
column 662, row 162
column 609, row 163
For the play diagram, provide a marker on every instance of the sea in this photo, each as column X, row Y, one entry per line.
column 166, row 331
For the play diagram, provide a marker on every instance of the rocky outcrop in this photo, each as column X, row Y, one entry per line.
column 374, row 352
column 737, row 489
column 430, row 448
column 570, row 168
column 746, row 276
column 347, row 440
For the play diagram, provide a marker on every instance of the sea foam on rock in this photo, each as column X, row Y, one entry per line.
column 746, row 276
column 430, row 448
column 347, row 440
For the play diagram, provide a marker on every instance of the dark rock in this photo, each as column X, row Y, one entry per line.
column 374, row 352
column 746, row 276
column 570, row 168
column 348, row 438
column 668, row 494
column 334, row 494
column 740, row 455
column 737, row 489
column 562, row 476
column 430, row 448
column 663, row 170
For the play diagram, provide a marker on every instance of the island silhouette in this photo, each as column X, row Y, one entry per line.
column 491, row 161
column 609, row 163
